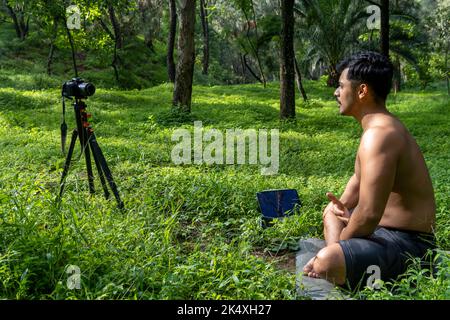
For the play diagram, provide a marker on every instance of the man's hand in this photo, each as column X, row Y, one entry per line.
column 337, row 208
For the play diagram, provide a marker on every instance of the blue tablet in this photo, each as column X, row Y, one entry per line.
column 277, row 204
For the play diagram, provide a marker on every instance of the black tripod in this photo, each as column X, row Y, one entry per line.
column 89, row 144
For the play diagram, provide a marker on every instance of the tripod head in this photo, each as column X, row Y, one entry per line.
column 75, row 88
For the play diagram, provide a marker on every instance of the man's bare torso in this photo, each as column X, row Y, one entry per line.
column 411, row 203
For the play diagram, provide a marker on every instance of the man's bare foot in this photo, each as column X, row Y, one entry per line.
column 308, row 269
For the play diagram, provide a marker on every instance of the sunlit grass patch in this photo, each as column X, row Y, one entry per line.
column 190, row 231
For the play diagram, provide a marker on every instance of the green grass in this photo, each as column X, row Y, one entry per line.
column 188, row 232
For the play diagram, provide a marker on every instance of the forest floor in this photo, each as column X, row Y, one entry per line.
column 187, row 231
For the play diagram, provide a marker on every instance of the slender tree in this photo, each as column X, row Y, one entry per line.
column 287, row 61
column 384, row 27
column 186, row 48
column 150, row 15
column 52, row 46
column 298, row 79
column 19, row 17
column 118, row 39
column 397, row 78
column 205, row 28
column 252, row 24
column 171, row 40
column 48, row 15
column 116, row 27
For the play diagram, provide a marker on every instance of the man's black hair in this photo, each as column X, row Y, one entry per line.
column 372, row 68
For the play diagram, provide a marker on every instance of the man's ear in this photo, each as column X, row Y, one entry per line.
column 363, row 91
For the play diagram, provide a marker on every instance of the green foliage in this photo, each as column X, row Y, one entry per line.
column 330, row 29
column 188, row 232
column 437, row 26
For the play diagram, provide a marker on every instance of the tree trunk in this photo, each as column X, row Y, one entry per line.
column 13, row 16
column 118, row 41
column 447, row 73
column 384, row 31
column 241, row 59
column 298, row 78
column 244, row 58
column 52, row 47
column 171, row 41
column 147, row 15
column 105, row 27
column 23, row 26
column 397, row 75
column 252, row 46
column 115, row 64
column 186, row 47
column 116, row 27
column 205, row 28
column 287, row 61
column 333, row 77
column 72, row 48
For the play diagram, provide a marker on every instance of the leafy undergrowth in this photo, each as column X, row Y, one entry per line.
column 187, row 231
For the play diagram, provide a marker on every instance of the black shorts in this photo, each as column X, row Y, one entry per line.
column 388, row 249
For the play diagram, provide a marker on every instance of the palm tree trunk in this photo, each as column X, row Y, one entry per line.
column 384, row 31
column 333, row 77
column 397, row 75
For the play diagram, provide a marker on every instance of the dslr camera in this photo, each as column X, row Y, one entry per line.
column 77, row 88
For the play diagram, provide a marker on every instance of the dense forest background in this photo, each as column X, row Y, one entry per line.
column 133, row 44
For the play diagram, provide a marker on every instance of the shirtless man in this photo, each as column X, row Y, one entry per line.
column 387, row 211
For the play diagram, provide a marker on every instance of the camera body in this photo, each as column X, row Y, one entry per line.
column 77, row 88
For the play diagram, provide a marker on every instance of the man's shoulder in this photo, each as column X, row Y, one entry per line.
column 385, row 137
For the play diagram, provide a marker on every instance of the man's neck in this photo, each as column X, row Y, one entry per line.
column 369, row 112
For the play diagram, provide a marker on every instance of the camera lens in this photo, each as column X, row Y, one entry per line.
column 87, row 89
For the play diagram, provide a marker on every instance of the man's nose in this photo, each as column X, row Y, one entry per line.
column 336, row 92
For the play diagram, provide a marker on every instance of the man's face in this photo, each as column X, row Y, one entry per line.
column 345, row 94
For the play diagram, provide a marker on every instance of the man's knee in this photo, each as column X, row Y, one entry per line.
column 330, row 264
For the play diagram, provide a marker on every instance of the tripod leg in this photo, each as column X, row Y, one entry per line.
column 79, row 107
column 67, row 163
column 99, row 168
column 104, row 166
column 87, row 156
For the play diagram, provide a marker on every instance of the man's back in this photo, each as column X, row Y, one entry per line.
column 411, row 203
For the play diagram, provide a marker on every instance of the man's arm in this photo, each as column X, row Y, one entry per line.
column 348, row 200
column 378, row 156
column 350, row 197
